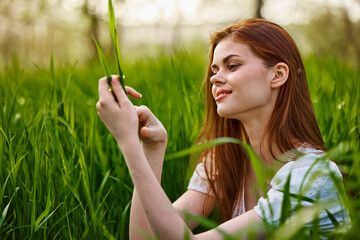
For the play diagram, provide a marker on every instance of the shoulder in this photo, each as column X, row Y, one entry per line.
column 311, row 163
column 200, row 178
column 312, row 177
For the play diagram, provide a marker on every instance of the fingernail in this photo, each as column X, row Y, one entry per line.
column 140, row 95
column 115, row 81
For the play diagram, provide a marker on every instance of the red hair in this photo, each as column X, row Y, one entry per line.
column 292, row 121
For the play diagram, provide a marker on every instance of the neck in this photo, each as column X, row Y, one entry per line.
column 260, row 144
column 259, row 140
column 255, row 123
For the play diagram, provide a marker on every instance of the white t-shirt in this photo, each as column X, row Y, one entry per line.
column 311, row 177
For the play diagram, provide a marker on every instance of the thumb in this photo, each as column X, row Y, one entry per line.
column 145, row 132
column 150, row 133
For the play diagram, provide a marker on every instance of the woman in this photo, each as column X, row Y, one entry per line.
column 256, row 91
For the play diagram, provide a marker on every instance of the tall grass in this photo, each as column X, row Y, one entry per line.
column 62, row 175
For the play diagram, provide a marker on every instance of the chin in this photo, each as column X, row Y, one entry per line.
column 228, row 113
column 223, row 113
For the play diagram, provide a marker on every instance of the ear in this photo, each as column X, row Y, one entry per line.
column 281, row 74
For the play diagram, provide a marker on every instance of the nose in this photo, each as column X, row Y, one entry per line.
column 217, row 79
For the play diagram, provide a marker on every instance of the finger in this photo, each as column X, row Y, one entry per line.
column 150, row 133
column 144, row 131
column 132, row 92
column 118, row 90
column 143, row 113
column 103, row 87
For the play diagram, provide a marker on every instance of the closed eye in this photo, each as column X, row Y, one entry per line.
column 232, row 67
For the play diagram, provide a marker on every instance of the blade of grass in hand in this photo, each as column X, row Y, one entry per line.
column 104, row 64
column 103, row 61
column 115, row 40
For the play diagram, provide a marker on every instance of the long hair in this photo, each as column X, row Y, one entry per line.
column 293, row 116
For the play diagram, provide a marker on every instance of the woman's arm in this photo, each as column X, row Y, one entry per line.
column 164, row 221
column 193, row 202
column 153, row 138
column 233, row 226
column 162, row 217
column 138, row 221
column 153, row 143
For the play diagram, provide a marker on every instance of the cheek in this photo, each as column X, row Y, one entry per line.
column 255, row 87
column 260, row 80
column 262, row 93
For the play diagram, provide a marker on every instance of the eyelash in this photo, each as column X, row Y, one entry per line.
column 230, row 68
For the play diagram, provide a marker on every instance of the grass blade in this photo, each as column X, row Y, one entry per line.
column 123, row 218
column 2, row 189
column 258, row 168
column 207, row 223
column 104, row 65
column 285, row 208
column 44, row 213
column 103, row 61
column 115, row 40
column 199, row 147
column 52, row 67
column 49, row 216
column 298, row 221
column 3, row 215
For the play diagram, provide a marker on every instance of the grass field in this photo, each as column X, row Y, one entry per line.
column 62, row 175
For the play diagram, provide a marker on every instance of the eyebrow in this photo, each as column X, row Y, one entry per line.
column 226, row 59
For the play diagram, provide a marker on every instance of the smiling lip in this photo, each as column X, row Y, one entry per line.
column 222, row 93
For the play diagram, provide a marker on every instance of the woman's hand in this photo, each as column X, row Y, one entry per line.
column 151, row 131
column 120, row 120
column 119, row 117
column 154, row 139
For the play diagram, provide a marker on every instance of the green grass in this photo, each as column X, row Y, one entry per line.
column 62, row 175
column 115, row 41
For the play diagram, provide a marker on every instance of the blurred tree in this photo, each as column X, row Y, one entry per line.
column 93, row 29
column 19, row 20
column 352, row 31
column 258, row 8
column 333, row 33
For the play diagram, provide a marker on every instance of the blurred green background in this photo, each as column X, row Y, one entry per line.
column 31, row 29
column 62, row 175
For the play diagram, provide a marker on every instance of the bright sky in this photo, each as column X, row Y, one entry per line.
column 149, row 12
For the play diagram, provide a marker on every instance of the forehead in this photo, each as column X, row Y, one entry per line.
column 229, row 46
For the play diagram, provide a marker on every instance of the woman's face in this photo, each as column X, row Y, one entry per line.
column 241, row 84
